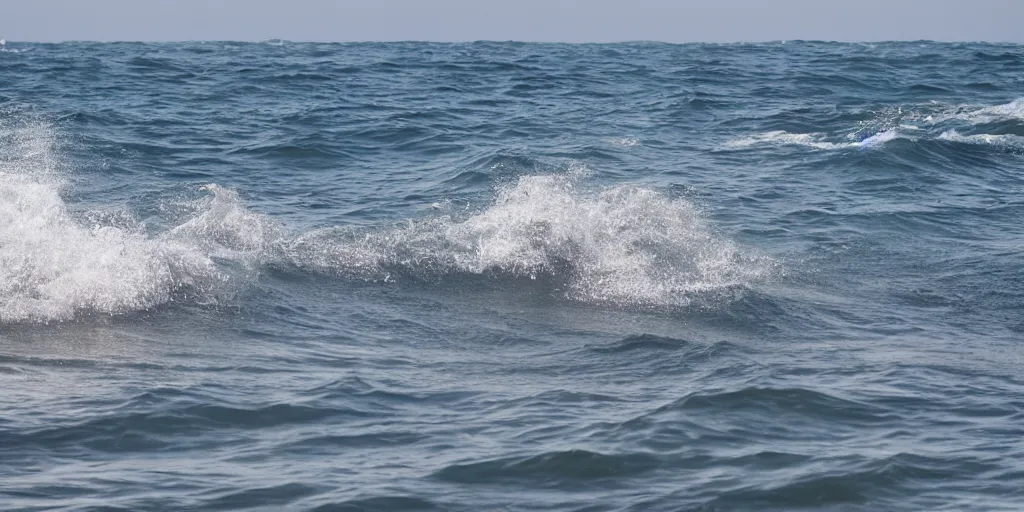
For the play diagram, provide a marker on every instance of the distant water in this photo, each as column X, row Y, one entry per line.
column 501, row 276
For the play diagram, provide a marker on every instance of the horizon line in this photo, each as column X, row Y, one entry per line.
column 516, row 41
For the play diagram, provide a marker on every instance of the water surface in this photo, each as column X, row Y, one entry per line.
column 502, row 276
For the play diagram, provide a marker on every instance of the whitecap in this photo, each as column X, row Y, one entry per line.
column 784, row 138
column 623, row 244
column 55, row 264
column 973, row 114
column 880, row 138
column 627, row 142
column 984, row 138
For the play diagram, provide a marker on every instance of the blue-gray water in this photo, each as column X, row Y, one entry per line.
column 500, row 276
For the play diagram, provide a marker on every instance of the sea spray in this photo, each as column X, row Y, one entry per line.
column 621, row 244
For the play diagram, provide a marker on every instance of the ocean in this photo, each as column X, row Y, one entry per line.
column 504, row 276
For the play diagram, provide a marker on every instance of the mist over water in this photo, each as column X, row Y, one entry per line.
column 511, row 276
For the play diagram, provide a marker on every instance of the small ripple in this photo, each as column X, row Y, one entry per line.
column 643, row 342
column 774, row 401
column 278, row 495
column 866, row 481
column 318, row 445
column 379, row 504
column 551, row 468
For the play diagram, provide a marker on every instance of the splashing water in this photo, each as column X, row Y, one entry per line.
column 54, row 265
column 623, row 244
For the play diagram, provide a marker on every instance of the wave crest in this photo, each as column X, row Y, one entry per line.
column 623, row 244
column 54, row 264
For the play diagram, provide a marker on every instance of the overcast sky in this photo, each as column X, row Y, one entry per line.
column 522, row 20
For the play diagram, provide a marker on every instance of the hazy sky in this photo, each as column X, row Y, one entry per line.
column 524, row 20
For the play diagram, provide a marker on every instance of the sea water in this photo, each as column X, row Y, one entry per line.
column 504, row 276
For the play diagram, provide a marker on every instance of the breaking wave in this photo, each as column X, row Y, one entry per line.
column 1011, row 111
column 956, row 123
column 784, row 138
column 622, row 244
column 1004, row 140
column 55, row 264
column 812, row 140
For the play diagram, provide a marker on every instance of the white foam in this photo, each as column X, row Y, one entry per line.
column 1007, row 111
column 880, row 138
column 984, row 138
column 623, row 244
column 784, row 138
column 223, row 227
column 627, row 142
column 55, row 265
column 974, row 114
column 899, row 122
column 5, row 49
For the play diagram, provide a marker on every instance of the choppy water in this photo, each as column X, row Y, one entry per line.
column 499, row 276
